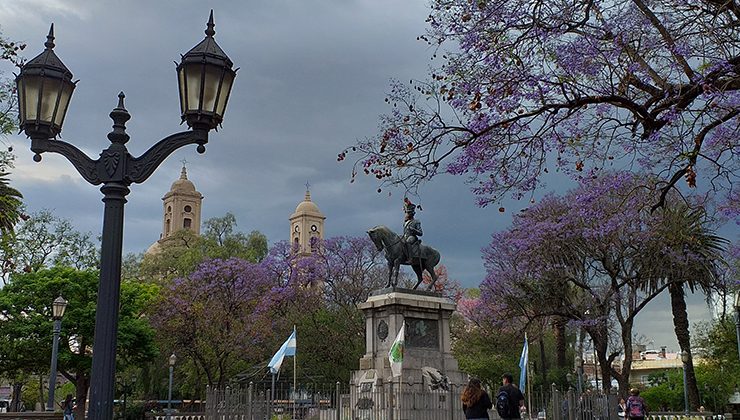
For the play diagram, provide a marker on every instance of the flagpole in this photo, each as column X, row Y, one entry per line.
column 295, row 390
column 400, row 393
column 529, row 386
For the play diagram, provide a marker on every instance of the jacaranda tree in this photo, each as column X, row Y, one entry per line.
column 596, row 257
column 327, row 285
column 218, row 317
column 527, row 87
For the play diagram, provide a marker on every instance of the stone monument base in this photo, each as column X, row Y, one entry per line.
column 428, row 363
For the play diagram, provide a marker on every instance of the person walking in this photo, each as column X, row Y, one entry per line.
column 621, row 408
column 475, row 401
column 68, row 408
column 509, row 399
column 636, row 407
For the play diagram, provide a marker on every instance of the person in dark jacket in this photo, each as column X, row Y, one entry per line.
column 475, row 401
column 516, row 398
column 68, row 408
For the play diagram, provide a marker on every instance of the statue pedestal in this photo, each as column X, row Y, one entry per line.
column 427, row 339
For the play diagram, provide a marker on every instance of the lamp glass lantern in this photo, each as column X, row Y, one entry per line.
column 58, row 307
column 45, row 88
column 685, row 356
column 205, row 77
column 172, row 359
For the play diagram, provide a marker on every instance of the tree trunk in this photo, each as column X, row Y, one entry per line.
column 600, row 338
column 543, row 359
column 681, row 326
column 82, row 382
column 558, row 325
column 15, row 400
column 623, row 376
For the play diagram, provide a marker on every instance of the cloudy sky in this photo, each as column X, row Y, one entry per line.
column 313, row 78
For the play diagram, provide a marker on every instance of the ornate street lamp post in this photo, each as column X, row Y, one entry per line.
column 45, row 86
column 57, row 312
column 171, row 361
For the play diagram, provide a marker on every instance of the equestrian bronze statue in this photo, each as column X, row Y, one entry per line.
column 406, row 249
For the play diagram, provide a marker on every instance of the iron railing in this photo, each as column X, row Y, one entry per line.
column 402, row 401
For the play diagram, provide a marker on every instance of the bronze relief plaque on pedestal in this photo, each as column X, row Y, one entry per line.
column 422, row 333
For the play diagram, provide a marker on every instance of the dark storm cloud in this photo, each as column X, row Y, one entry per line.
column 313, row 78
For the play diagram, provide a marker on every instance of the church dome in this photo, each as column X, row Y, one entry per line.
column 307, row 207
column 154, row 249
column 183, row 184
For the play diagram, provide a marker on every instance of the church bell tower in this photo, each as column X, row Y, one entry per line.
column 306, row 225
column 181, row 207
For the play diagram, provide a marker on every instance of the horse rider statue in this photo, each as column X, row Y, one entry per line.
column 411, row 231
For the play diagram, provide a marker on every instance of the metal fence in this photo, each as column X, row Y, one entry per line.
column 381, row 401
column 402, row 401
column 256, row 402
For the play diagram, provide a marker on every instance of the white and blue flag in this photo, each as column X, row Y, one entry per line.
column 523, row 361
column 287, row 349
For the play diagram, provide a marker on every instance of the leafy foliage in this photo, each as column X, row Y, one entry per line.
column 179, row 255
column 524, row 89
column 721, row 368
column 9, row 51
column 43, row 240
column 218, row 316
column 26, row 324
column 595, row 257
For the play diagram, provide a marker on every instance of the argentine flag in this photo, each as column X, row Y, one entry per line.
column 523, row 361
column 287, row 349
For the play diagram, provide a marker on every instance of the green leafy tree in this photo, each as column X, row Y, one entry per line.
column 26, row 325
column 719, row 372
column 180, row 255
column 43, row 240
column 9, row 51
column 665, row 392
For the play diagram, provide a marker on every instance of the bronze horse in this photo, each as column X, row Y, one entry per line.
column 395, row 253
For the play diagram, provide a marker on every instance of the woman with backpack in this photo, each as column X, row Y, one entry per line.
column 475, row 401
column 636, row 408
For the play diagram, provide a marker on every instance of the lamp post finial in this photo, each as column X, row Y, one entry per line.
column 49, row 44
column 209, row 30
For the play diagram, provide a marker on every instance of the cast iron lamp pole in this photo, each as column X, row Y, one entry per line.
column 57, row 312
column 45, row 86
column 172, row 360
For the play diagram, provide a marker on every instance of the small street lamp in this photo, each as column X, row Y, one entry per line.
column 57, row 312
column 44, row 85
column 579, row 375
column 172, row 361
column 685, row 360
